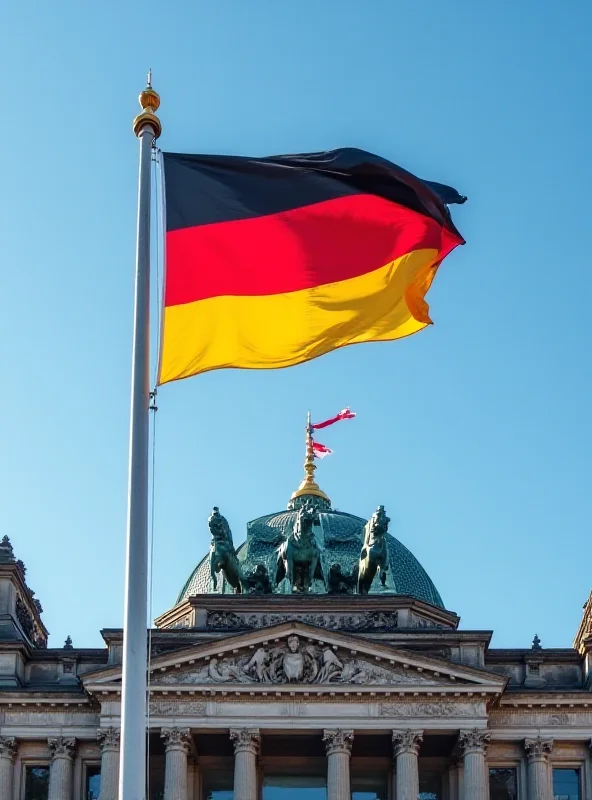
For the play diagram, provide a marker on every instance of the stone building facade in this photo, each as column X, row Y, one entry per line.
column 316, row 660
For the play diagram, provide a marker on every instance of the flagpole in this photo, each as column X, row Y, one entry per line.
column 132, row 773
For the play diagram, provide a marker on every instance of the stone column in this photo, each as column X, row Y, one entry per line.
column 176, row 747
column 339, row 745
column 406, row 746
column 539, row 782
column 246, row 749
column 8, row 748
column 61, row 768
column 109, row 742
column 454, row 781
column 473, row 747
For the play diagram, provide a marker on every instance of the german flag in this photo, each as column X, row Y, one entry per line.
column 274, row 261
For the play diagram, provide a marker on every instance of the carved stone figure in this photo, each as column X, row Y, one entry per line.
column 338, row 583
column 258, row 581
column 222, row 552
column 258, row 666
column 332, row 666
column 299, row 557
column 295, row 660
column 375, row 552
column 221, row 671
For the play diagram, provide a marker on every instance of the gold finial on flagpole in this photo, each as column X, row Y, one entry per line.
column 309, row 486
column 149, row 102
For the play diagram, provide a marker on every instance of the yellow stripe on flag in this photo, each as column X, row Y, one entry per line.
column 272, row 331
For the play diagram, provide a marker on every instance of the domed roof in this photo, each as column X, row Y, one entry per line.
column 341, row 536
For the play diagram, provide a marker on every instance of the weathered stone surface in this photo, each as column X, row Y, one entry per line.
column 338, row 744
column 406, row 745
column 293, row 660
column 246, row 743
column 473, row 747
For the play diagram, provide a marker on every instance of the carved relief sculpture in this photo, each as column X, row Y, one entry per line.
column 108, row 738
column 368, row 621
column 407, row 742
column 8, row 747
column 245, row 739
column 61, row 747
column 475, row 740
column 176, row 739
column 338, row 741
column 295, row 661
column 538, row 749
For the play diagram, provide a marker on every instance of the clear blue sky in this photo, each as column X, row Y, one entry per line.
column 474, row 434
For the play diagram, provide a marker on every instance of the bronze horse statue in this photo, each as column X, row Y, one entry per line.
column 299, row 557
column 375, row 551
column 222, row 552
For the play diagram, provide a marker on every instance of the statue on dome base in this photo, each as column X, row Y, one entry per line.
column 339, row 583
column 222, row 552
column 299, row 557
column 375, row 551
column 257, row 582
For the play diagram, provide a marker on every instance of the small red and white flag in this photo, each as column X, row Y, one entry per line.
column 345, row 413
column 320, row 451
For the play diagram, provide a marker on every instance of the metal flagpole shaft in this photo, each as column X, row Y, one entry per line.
column 132, row 774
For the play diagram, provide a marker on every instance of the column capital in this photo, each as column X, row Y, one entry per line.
column 8, row 747
column 538, row 749
column 176, row 739
column 407, row 741
column 245, row 739
column 338, row 741
column 61, row 747
column 474, row 741
column 108, row 739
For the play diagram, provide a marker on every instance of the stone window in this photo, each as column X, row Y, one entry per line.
column 36, row 782
column 566, row 784
column 92, row 782
column 503, row 783
column 294, row 787
column 369, row 787
column 218, row 785
column 430, row 785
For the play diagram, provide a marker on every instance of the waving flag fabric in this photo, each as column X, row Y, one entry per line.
column 320, row 450
column 274, row 261
column 343, row 414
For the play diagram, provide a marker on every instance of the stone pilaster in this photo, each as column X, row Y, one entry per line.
column 539, row 782
column 406, row 746
column 339, row 745
column 473, row 747
column 246, row 749
column 8, row 748
column 61, row 768
column 108, row 739
column 176, row 747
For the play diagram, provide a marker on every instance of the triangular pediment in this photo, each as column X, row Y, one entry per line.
column 296, row 654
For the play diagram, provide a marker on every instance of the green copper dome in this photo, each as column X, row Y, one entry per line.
column 340, row 537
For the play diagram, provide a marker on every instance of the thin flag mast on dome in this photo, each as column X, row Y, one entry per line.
column 320, row 450
column 314, row 450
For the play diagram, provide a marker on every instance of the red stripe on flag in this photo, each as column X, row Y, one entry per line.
column 308, row 246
